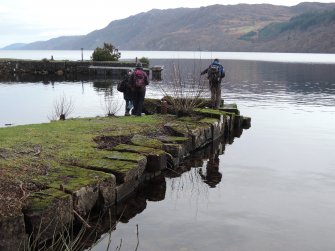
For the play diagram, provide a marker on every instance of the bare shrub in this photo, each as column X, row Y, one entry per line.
column 185, row 92
column 111, row 106
column 62, row 108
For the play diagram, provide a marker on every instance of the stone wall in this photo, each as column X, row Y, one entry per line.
column 45, row 67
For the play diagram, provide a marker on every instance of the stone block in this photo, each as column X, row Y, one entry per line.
column 156, row 158
column 85, row 198
column 107, row 190
column 246, row 124
column 12, row 233
column 200, row 133
column 141, row 140
column 124, row 165
column 83, row 184
column 126, row 189
column 201, row 136
column 184, row 142
column 46, row 212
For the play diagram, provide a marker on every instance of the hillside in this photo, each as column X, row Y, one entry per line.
column 216, row 27
column 311, row 31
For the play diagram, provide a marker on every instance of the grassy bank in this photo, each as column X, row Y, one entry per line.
column 33, row 157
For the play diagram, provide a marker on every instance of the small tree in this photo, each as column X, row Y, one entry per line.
column 144, row 60
column 107, row 53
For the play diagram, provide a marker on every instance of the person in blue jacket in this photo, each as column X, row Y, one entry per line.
column 215, row 74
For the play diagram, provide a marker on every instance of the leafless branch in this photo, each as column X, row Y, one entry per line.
column 62, row 108
column 185, row 90
column 111, row 106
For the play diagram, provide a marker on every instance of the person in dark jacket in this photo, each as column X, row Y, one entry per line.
column 215, row 73
column 138, row 81
column 128, row 93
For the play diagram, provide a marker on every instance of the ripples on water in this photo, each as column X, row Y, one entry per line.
column 255, row 83
column 273, row 188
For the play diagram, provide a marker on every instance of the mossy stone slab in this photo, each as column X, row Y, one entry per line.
column 122, row 169
column 72, row 178
column 180, row 129
column 176, row 150
column 207, row 112
column 48, row 211
column 171, row 142
column 156, row 158
column 218, row 127
column 83, row 184
column 209, row 120
column 173, row 139
column 141, row 140
column 126, row 156
column 200, row 133
column 231, row 108
column 138, row 149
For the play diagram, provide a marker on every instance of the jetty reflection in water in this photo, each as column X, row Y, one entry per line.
column 198, row 173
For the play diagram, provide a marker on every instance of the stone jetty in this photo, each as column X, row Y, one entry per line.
column 55, row 173
column 46, row 67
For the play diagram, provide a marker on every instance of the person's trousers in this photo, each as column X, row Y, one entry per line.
column 215, row 94
column 138, row 102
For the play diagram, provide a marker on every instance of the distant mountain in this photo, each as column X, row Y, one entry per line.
column 16, row 46
column 60, row 43
column 217, row 28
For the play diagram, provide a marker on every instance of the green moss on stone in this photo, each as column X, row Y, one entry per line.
column 42, row 200
column 138, row 149
column 174, row 139
column 209, row 120
column 208, row 111
column 126, row 156
column 231, row 106
column 141, row 140
column 72, row 178
column 112, row 166
column 184, row 128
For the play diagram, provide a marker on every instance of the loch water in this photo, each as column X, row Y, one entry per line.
column 271, row 189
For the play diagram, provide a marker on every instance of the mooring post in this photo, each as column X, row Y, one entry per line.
column 157, row 73
column 82, row 54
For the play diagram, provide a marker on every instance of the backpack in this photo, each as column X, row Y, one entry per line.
column 139, row 79
column 213, row 73
column 121, row 86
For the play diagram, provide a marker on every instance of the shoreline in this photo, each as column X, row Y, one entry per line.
column 94, row 163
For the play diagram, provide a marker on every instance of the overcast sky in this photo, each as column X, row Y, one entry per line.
column 24, row 21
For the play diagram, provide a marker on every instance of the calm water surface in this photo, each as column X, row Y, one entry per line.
column 277, row 186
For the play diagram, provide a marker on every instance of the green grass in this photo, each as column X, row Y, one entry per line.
column 33, row 149
column 67, row 155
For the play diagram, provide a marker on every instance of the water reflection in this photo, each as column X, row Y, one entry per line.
column 151, row 190
column 271, row 191
column 202, row 167
column 208, row 161
column 211, row 175
column 255, row 83
column 104, row 86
